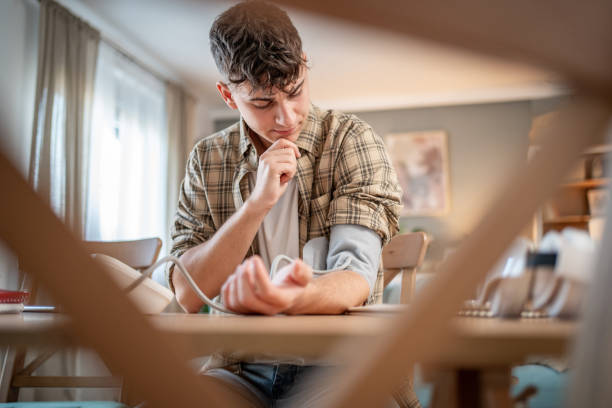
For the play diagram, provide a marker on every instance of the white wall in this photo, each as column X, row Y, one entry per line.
column 18, row 51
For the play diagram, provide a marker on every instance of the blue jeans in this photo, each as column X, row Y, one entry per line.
column 267, row 385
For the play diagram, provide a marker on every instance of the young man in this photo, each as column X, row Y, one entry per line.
column 285, row 174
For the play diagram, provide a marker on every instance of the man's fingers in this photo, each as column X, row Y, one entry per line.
column 282, row 165
column 285, row 144
column 261, row 278
column 241, row 285
column 251, row 301
column 279, row 156
column 287, row 153
column 230, row 291
column 227, row 293
column 262, row 285
column 301, row 273
column 237, row 305
column 264, row 289
column 273, row 295
column 286, row 172
column 258, row 263
column 247, row 300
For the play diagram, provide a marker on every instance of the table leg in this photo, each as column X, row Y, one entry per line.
column 496, row 384
column 445, row 388
column 471, row 388
column 7, row 359
column 18, row 364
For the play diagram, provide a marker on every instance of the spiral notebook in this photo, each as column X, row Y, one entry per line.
column 11, row 301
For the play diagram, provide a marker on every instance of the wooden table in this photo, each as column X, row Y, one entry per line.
column 478, row 341
column 481, row 346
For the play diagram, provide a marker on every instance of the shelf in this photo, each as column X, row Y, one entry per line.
column 599, row 149
column 591, row 183
column 569, row 219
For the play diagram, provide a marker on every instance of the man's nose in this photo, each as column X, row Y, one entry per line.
column 285, row 115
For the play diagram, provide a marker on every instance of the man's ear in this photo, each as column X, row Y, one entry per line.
column 226, row 94
column 305, row 58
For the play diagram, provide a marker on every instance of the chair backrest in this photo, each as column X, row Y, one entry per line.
column 404, row 251
column 139, row 254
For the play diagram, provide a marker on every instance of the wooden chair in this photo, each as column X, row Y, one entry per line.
column 139, row 254
column 404, row 254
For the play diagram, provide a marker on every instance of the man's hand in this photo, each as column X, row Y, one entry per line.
column 250, row 290
column 277, row 166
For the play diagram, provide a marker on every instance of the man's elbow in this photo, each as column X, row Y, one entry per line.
column 362, row 290
column 185, row 297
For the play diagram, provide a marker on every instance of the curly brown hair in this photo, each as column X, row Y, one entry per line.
column 255, row 41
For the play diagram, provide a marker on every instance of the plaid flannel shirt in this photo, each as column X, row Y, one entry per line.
column 344, row 176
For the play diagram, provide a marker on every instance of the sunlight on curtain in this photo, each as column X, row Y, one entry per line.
column 57, row 151
column 128, row 172
column 68, row 49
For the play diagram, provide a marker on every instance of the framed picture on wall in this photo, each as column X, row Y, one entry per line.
column 421, row 162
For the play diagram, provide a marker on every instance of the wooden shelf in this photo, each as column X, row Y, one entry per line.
column 591, row 183
column 600, row 149
column 571, row 196
column 568, row 219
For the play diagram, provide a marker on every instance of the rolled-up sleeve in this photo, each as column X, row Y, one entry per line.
column 193, row 223
column 367, row 192
column 357, row 247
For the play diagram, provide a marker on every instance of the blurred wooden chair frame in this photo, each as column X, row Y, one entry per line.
column 403, row 255
column 139, row 254
column 522, row 28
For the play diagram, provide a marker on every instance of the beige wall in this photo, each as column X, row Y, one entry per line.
column 486, row 143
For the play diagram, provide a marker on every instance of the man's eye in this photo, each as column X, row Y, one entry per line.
column 267, row 105
column 296, row 93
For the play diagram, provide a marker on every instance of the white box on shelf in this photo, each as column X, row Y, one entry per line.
column 598, row 201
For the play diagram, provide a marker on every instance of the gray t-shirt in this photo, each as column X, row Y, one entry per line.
column 357, row 246
column 280, row 230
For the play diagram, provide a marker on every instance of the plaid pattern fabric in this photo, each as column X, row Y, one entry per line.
column 344, row 176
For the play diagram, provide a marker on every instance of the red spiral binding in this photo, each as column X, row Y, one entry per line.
column 13, row 296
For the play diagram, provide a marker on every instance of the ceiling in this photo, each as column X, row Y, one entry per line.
column 352, row 67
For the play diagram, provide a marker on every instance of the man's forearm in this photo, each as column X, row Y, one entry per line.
column 211, row 262
column 332, row 293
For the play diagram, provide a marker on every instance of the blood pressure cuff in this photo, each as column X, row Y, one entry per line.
column 350, row 247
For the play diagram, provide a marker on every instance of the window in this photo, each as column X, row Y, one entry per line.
column 128, row 152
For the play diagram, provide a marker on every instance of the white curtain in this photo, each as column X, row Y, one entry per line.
column 128, row 170
column 64, row 93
